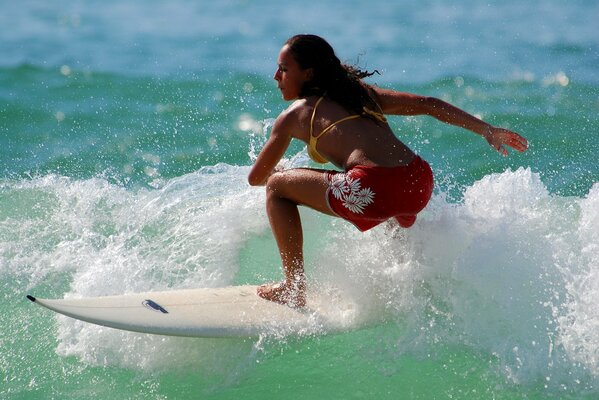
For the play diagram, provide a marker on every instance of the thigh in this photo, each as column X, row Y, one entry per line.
column 304, row 186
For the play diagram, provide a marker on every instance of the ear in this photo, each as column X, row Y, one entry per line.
column 309, row 74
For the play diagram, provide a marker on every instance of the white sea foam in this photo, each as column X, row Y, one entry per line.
column 511, row 271
column 113, row 240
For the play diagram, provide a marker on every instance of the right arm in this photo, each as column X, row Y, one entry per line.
column 273, row 150
column 400, row 103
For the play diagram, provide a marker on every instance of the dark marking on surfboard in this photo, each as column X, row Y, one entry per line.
column 152, row 305
column 30, row 297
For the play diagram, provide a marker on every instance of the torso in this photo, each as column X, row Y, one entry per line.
column 360, row 141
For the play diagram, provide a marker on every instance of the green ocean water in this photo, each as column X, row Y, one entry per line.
column 127, row 130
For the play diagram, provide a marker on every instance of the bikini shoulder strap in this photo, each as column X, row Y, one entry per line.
column 314, row 114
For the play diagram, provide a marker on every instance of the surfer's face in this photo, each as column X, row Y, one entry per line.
column 290, row 76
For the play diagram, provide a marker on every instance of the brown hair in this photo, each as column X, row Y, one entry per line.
column 340, row 82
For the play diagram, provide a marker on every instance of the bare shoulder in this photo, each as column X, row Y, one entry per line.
column 293, row 119
column 399, row 103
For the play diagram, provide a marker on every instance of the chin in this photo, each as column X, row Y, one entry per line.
column 287, row 97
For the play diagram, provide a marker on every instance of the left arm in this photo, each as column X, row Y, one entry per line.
column 399, row 103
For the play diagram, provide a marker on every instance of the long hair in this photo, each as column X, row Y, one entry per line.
column 340, row 82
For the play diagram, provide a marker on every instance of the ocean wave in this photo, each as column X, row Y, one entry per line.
column 508, row 272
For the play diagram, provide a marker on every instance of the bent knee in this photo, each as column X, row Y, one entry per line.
column 277, row 183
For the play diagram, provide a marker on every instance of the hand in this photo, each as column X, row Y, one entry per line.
column 500, row 138
column 280, row 167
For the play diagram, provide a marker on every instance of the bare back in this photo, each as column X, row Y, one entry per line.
column 360, row 141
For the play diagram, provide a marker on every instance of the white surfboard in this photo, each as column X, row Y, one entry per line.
column 235, row 311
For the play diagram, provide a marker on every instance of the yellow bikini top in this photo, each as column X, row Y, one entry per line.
column 312, row 152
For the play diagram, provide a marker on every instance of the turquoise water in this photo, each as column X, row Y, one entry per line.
column 127, row 130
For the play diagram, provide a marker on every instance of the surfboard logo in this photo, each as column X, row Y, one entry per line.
column 152, row 305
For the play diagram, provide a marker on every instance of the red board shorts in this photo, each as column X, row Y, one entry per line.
column 367, row 196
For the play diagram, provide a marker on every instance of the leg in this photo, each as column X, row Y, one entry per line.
column 284, row 192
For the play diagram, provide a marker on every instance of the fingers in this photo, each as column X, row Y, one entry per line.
column 500, row 139
column 501, row 150
column 517, row 142
column 511, row 139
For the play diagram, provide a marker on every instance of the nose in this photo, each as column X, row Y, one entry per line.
column 277, row 75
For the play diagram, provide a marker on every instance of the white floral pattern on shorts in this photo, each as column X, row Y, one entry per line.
column 349, row 191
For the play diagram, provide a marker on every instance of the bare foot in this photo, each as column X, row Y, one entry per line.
column 282, row 293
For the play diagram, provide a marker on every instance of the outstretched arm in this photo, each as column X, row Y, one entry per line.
column 399, row 103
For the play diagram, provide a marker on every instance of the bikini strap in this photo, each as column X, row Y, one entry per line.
column 314, row 114
column 334, row 124
column 379, row 116
column 313, row 140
